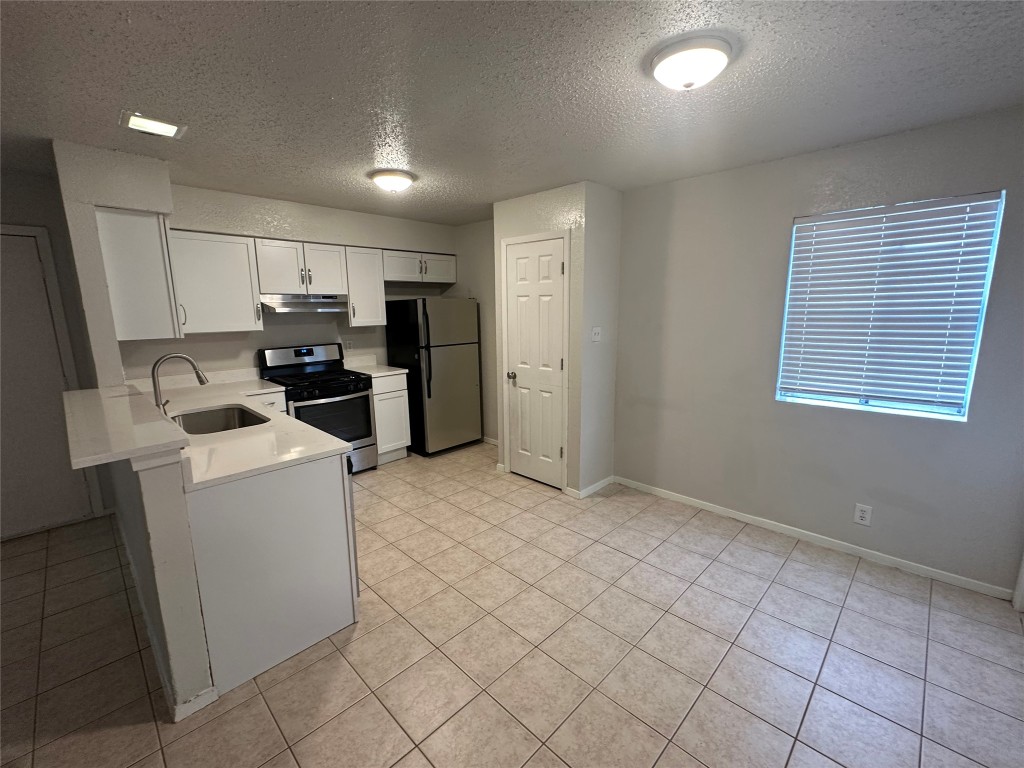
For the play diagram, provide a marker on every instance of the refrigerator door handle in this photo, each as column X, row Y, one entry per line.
column 430, row 369
column 426, row 325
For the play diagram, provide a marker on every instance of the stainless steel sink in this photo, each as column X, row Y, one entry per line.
column 218, row 419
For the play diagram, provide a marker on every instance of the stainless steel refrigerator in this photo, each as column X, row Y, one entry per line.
column 438, row 341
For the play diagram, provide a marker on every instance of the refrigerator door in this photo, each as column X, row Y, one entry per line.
column 447, row 321
column 451, row 412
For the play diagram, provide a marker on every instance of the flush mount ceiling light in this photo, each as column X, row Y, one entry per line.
column 392, row 181
column 152, row 126
column 691, row 62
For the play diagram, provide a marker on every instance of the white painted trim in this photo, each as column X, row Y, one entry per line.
column 591, row 490
column 193, row 705
column 491, row 440
column 500, row 467
column 824, row 541
column 565, row 236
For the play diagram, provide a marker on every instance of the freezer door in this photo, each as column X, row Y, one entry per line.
column 448, row 321
column 451, row 412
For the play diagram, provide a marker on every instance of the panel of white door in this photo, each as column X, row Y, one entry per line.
column 325, row 268
column 403, row 265
column 281, row 266
column 39, row 489
column 365, row 270
column 534, row 323
column 391, row 420
column 438, row 268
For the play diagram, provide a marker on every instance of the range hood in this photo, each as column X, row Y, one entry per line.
column 301, row 302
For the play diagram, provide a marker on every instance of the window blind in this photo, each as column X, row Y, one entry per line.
column 885, row 305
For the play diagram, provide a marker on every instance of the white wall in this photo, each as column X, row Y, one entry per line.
column 474, row 246
column 703, row 277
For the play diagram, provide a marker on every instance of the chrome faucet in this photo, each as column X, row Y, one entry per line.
column 157, row 395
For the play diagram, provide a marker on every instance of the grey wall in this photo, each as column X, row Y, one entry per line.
column 703, row 277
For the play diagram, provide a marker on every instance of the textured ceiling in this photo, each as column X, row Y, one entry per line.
column 484, row 101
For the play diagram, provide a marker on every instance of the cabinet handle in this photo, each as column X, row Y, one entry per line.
column 309, row 276
column 419, row 269
column 302, row 275
column 184, row 314
column 259, row 312
column 353, row 310
column 426, row 267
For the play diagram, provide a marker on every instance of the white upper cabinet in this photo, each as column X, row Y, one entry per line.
column 438, row 268
column 403, row 265
column 282, row 268
column 325, row 268
column 138, row 273
column 365, row 271
column 215, row 282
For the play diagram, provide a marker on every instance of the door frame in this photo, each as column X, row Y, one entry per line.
column 51, row 285
column 565, row 236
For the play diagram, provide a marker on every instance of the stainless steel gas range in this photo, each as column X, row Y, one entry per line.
column 322, row 393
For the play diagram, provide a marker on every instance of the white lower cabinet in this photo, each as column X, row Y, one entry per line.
column 391, row 413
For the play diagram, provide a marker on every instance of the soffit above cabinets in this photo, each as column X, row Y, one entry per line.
column 484, row 101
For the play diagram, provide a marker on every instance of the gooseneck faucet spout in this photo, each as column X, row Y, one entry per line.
column 157, row 395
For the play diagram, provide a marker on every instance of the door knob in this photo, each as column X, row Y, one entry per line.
column 511, row 375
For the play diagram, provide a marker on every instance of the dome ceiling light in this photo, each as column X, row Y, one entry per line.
column 392, row 181
column 691, row 62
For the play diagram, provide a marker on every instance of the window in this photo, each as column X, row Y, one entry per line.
column 885, row 305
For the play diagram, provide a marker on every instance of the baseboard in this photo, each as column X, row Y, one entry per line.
column 500, row 467
column 490, row 440
column 589, row 490
column 824, row 541
column 193, row 705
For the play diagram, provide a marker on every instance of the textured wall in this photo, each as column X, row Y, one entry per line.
column 703, row 279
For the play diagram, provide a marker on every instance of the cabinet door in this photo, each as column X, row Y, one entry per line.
column 215, row 282
column 325, row 268
column 281, row 266
column 402, row 265
column 438, row 268
column 138, row 274
column 365, row 270
column 391, row 416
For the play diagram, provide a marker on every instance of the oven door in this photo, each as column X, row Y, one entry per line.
column 349, row 418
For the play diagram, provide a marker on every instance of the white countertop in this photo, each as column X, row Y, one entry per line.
column 116, row 423
column 376, row 370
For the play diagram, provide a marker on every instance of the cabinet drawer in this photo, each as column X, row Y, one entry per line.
column 272, row 400
column 384, row 384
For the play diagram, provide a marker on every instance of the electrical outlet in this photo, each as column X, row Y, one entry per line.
column 348, row 346
column 862, row 514
column 595, row 333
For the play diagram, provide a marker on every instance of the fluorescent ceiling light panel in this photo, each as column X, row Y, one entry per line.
column 143, row 124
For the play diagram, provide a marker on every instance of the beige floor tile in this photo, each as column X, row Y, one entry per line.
column 499, row 486
column 19, row 680
column 16, row 726
column 586, row 649
column 693, row 651
column 382, row 653
column 651, row 690
column 84, row 654
column 817, row 582
column 674, row 757
column 426, row 694
column 70, row 550
column 762, row 538
column 652, row 584
column 308, row 699
column 423, row 544
column 363, row 736
column 121, row 738
column 544, row 758
column 81, row 567
column 533, row 614
column 711, row 611
column 445, row 488
column 937, row 756
column 171, row 731
column 393, row 489
column 384, row 562
column 733, row 583
column 556, row 511
column 526, row 525
column 561, row 542
column 823, row 557
column 894, row 580
column 298, row 662
column 539, row 692
column 604, row 562
column 414, row 759
column 378, row 512
column 774, row 694
column 756, row 561
column 529, row 563
column 463, row 526
column 494, row 543
column 23, row 544
column 491, row 586
column 591, row 524
column 486, row 649
column 975, row 678
column 601, row 733
column 498, row 511
column 632, row 542
column 30, row 561
column 481, row 734
column 82, row 700
column 790, row 647
column 16, row 587
column 67, row 625
column 455, row 563
column 437, row 512
column 469, row 499
column 722, row 735
column 367, row 541
column 572, row 586
column 678, row 561
column 19, row 643
column 698, row 540
column 888, row 607
column 443, row 616
column 976, row 606
column 82, row 591
column 399, row 527
column 856, row 737
column 627, row 616
column 884, row 642
column 974, row 730
column 799, row 609
column 805, row 757
column 156, row 760
column 373, row 612
column 978, row 639
column 712, row 522
column 413, row 499
column 658, row 521
column 408, row 588
column 885, row 690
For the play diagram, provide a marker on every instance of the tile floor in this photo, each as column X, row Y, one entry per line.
column 506, row 624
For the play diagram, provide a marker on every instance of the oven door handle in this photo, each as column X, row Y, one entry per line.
column 295, row 404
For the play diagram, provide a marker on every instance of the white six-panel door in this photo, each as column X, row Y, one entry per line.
column 534, row 323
